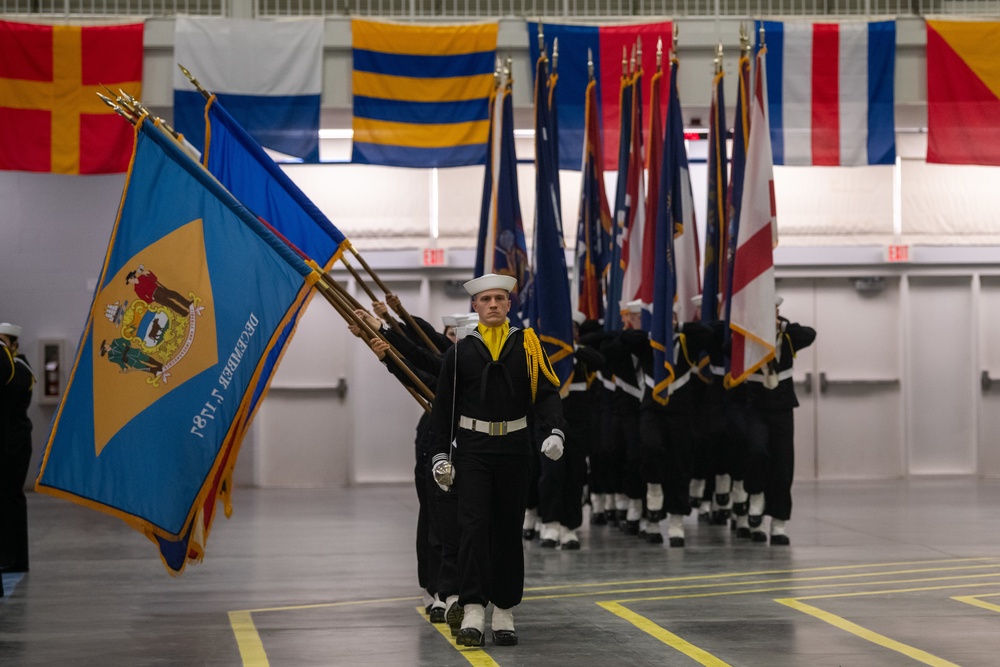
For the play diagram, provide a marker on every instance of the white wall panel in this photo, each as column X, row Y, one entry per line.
column 942, row 382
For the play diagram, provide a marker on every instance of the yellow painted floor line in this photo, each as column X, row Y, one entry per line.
column 476, row 656
column 976, row 602
column 866, row 634
column 757, row 582
column 248, row 640
column 699, row 655
column 734, row 575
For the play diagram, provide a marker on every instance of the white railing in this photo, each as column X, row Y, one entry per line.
column 472, row 9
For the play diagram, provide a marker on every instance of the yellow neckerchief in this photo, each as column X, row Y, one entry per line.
column 494, row 337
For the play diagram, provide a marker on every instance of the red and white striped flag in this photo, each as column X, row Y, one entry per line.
column 752, row 316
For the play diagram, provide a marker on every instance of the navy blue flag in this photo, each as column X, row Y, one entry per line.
column 669, row 219
column 502, row 248
column 594, row 224
column 612, row 314
column 715, row 221
column 549, row 307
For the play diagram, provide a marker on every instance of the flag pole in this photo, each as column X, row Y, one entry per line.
column 400, row 310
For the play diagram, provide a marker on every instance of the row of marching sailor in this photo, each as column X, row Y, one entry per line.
column 726, row 451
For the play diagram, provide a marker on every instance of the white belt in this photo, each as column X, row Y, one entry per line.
column 631, row 390
column 578, row 386
column 759, row 377
column 717, row 370
column 493, row 428
column 675, row 385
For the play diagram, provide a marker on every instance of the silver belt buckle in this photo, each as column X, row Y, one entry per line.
column 498, row 428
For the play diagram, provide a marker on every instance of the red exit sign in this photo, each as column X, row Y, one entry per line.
column 433, row 256
column 898, row 253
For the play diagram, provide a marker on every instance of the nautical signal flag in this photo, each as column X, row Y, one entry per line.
column 51, row 119
column 422, row 93
column 605, row 44
column 963, row 92
column 831, row 92
column 193, row 294
column 269, row 74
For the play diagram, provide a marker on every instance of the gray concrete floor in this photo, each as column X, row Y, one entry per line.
column 879, row 573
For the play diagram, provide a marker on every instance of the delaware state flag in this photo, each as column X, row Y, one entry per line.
column 831, row 92
column 51, row 119
column 193, row 295
column 963, row 92
column 605, row 44
column 268, row 74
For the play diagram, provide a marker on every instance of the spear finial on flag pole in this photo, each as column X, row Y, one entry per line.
column 195, row 82
column 541, row 40
column 624, row 61
column 659, row 53
column 555, row 53
column 718, row 58
column 590, row 65
column 673, row 48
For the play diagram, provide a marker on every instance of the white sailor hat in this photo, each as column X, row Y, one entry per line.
column 634, row 306
column 578, row 317
column 463, row 319
column 449, row 320
column 10, row 329
column 778, row 300
column 490, row 281
column 696, row 300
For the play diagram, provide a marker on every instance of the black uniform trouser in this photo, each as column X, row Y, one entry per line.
column 15, row 458
column 709, row 456
column 627, row 449
column 492, row 493
column 666, row 439
column 771, row 459
column 605, row 470
column 735, row 451
column 428, row 543
column 561, row 484
column 444, row 526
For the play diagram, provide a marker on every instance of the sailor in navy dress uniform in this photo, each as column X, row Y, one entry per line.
column 490, row 383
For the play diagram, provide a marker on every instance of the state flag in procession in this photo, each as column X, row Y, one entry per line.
column 687, row 251
column 51, row 119
column 831, row 92
column 193, row 295
column 654, row 165
column 716, row 214
column 741, row 134
column 501, row 247
column 594, row 223
column 752, row 316
column 612, row 314
column 548, row 304
column 669, row 220
column 634, row 231
column 268, row 74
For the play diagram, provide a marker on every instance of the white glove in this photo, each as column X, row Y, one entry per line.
column 444, row 474
column 552, row 446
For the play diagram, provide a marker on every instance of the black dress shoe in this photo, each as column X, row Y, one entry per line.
column 780, row 540
column 599, row 519
column 504, row 638
column 739, row 509
column 758, row 536
column 436, row 615
column 654, row 538
column 572, row 545
column 631, row 527
column 755, row 520
column 528, row 534
column 454, row 616
column 722, row 499
column 676, row 541
column 548, row 544
column 743, row 532
column 469, row 637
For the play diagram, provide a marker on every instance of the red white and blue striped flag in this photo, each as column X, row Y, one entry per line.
column 831, row 92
